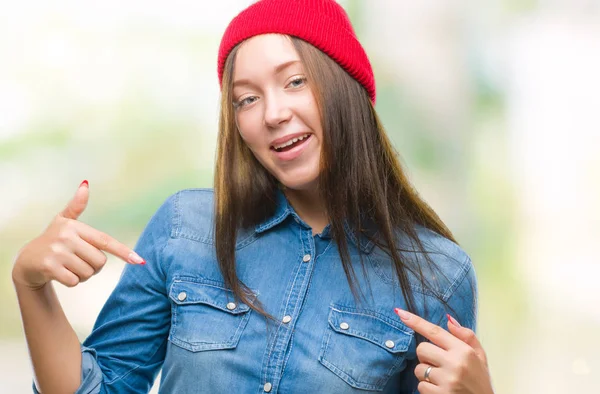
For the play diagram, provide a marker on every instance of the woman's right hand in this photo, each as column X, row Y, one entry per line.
column 68, row 251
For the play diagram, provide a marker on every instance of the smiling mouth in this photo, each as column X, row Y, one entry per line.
column 291, row 144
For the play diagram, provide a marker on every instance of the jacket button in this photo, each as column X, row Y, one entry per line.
column 306, row 258
column 182, row 296
column 287, row 318
column 389, row 344
column 267, row 387
column 231, row 306
column 344, row 326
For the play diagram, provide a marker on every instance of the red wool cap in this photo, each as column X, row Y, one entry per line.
column 322, row 23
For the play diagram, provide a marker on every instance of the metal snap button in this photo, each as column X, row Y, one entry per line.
column 389, row 344
column 182, row 296
column 267, row 387
column 231, row 306
column 344, row 326
column 306, row 258
column 287, row 319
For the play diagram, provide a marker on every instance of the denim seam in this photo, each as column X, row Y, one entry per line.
column 178, row 232
column 110, row 382
column 210, row 241
column 373, row 314
column 458, row 279
column 287, row 357
column 416, row 287
column 287, row 302
column 349, row 379
column 273, row 222
column 231, row 342
column 161, row 268
column 345, row 376
column 206, row 282
column 176, row 217
column 266, row 362
column 297, row 309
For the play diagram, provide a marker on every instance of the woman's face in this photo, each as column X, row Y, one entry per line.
column 276, row 112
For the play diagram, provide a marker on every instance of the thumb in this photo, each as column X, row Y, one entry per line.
column 467, row 336
column 77, row 205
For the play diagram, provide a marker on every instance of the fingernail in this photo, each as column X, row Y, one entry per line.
column 402, row 313
column 136, row 259
column 85, row 182
column 453, row 320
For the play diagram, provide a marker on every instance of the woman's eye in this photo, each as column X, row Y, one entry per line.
column 296, row 83
column 247, row 101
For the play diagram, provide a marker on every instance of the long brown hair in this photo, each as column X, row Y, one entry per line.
column 361, row 180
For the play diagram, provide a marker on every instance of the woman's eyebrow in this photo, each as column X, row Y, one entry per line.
column 285, row 65
column 278, row 69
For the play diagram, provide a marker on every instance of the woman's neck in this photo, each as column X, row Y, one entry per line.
column 309, row 206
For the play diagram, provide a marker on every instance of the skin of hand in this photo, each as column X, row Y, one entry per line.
column 458, row 359
column 68, row 251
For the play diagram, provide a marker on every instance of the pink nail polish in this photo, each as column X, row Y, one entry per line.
column 136, row 259
column 403, row 314
column 85, row 182
column 453, row 320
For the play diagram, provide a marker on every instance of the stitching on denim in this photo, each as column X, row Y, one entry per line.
column 460, row 277
column 306, row 283
column 376, row 315
column 273, row 222
column 193, row 236
column 287, row 357
column 376, row 263
column 246, row 241
column 326, row 249
column 163, row 273
column 345, row 376
column 348, row 379
column 325, row 342
column 176, row 220
column 134, row 368
column 203, row 280
column 230, row 342
column 287, row 301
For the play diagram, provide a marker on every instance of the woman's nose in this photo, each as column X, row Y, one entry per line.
column 277, row 112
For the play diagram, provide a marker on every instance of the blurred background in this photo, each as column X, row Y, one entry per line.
column 492, row 105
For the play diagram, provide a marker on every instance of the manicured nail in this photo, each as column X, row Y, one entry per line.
column 453, row 320
column 85, row 182
column 403, row 314
column 136, row 259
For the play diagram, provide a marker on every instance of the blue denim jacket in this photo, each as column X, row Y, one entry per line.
column 176, row 313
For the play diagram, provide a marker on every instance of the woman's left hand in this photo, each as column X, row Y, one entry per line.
column 454, row 361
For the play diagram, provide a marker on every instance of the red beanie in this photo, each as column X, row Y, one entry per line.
column 322, row 23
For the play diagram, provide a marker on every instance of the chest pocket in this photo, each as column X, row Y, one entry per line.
column 364, row 348
column 205, row 315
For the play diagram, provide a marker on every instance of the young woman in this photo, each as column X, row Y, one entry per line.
column 285, row 278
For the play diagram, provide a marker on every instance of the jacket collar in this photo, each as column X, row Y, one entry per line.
column 283, row 209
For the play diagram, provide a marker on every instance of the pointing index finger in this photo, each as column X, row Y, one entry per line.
column 105, row 242
column 436, row 334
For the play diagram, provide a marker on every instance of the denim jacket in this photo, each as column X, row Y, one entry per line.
column 175, row 312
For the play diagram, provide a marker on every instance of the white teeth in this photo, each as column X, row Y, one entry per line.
column 290, row 142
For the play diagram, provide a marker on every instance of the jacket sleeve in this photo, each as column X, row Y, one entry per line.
column 461, row 304
column 126, row 348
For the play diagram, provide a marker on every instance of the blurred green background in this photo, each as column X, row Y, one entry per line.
column 492, row 106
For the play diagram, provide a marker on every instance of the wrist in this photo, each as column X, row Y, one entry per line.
column 20, row 282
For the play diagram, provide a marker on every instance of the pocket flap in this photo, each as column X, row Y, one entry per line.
column 376, row 328
column 186, row 292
